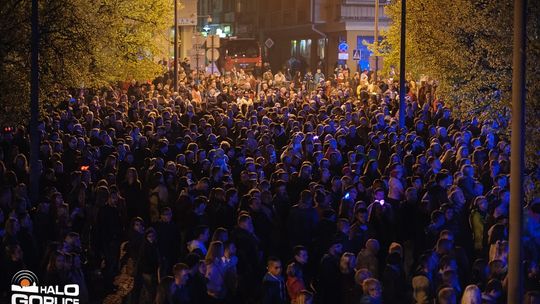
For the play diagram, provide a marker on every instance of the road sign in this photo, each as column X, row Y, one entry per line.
column 187, row 12
column 212, row 54
column 269, row 43
column 343, row 47
column 343, row 51
column 187, row 21
column 343, row 56
column 212, row 69
column 356, row 55
column 212, row 41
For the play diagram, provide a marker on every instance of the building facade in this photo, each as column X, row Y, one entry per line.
column 309, row 30
column 312, row 31
column 226, row 18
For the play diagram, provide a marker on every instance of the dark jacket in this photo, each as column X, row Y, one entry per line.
column 273, row 290
column 169, row 293
column 247, row 251
column 328, row 286
column 301, row 225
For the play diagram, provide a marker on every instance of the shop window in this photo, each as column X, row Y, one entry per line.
column 294, row 45
column 321, row 48
column 305, row 48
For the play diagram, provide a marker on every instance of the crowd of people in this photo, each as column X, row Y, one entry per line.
column 270, row 189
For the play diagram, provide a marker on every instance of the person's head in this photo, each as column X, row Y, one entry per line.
column 396, row 170
column 14, row 252
column 336, row 247
column 343, row 225
column 481, row 203
column 220, row 234
column 306, row 198
column 57, row 262
column 448, row 212
column 274, row 266
column 245, row 222
column 304, row 297
column 361, row 275
column 12, row 226
column 137, row 224
column 442, row 179
column 181, row 274
column 446, row 295
column 437, row 218
column 230, row 250
column 411, row 194
column 494, row 288
column 347, row 263
column 150, row 235
column 372, row 245
column 202, row 233
column 378, row 194
column 428, row 261
column 255, row 203
column 447, row 263
column 215, row 252
column 372, row 288
column 72, row 241
column 300, row 254
column 193, row 261
column 166, row 215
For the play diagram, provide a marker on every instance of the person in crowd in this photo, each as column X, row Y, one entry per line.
column 168, row 240
column 174, row 289
column 215, row 272
column 274, row 290
column 471, row 295
column 198, row 244
column 302, row 220
column 146, row 273
column 305, row 297
column 372, row 292
column 301, row 260
column 477, row 221
column 197, row 281
column 328, row 286
column 446, row 295
column 56, row 269
column 367, row 257
column 249, row 255
column 347, row 265
column 271, row 166
column 295, row 281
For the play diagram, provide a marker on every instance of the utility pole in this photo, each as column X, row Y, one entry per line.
column 175, row 81
column 376, row 39
column 517, row 157
column 35, row 137
column 402, row 67
column 212, row 51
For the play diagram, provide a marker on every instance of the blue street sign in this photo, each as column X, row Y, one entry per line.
column 343, row 47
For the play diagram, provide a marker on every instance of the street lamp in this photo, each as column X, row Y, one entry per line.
column 206, row 28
